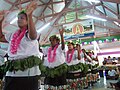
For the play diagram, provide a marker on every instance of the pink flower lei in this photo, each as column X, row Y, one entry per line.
column 68, row 59
column 51, row 58
column 16, row 39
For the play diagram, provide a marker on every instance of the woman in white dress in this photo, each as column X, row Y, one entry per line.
column 23, row 51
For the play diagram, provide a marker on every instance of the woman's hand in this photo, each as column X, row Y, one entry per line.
column 61, row 31
column 2, row 16
column 78, row 47
column 31, row 7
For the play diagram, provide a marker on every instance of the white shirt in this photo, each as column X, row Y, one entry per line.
column 74, row 60
column 59, row 58
column 82, row 57
column 88, row 57
column 112, row 73
column 1, row 60
column 26, row 48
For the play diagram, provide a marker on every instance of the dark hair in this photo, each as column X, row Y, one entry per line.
column 78, row 45
column 54, row 37
column 22, row 12
column 71, row 43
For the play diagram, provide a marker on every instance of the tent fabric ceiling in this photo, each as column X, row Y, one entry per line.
column 60, row 12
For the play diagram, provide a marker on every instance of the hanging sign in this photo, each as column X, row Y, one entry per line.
column 79, row 29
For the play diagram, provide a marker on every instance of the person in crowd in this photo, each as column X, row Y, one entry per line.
column 109, row 60
column 73, row 60
column 112, row 74
column 118, row 60
column 87, row 58
column 105, row 61
column 81, row 53
column 55, row 72
column 115, row 85
column 114, row 61
column 23, row 51
column 2, row 62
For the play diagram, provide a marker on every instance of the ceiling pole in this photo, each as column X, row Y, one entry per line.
column 71, row 10
column 103, row 8
column 76, row 13
column 103, row 14
column 113, row 1
column 111, row 11
column 58, row 16
column 44, row 8
column 118, row 10
column 8, row 2
column 22, row 2
column 109, row 28
column 49, row 3
column 77, row 20
column 107, row 18
column 52, row 7
column 42, row 12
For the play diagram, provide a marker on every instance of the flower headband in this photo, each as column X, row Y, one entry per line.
column 22, row 12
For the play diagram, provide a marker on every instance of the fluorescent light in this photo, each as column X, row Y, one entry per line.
column 97, row 18
column 14, row 20
column 117, row 23
column 42, row 28
column 90, row 1
column 99, row 9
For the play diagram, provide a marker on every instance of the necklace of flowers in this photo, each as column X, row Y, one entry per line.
column 16, row 39
column 51, row 58
column 68, row 59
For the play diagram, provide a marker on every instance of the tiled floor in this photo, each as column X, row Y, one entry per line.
column 102, row 84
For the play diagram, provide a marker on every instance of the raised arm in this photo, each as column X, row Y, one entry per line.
column 78, row 50
column 62, row 38
column 88, row 58
column 2, row 37
column 31, row 26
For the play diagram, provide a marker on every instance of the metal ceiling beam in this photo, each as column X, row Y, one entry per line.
column 22, row 2
column 51, row 3
column 103, row 8
column 77, row 20
column 113, row 1
column 68, row 2
column 46, row 5
column 103, row 14
column 111, row 10
column 58, row 16
column 109, row 28
column 106, row 17
column 118, row 10
column 8, row 2
column 42, row 12
column 70, row 10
